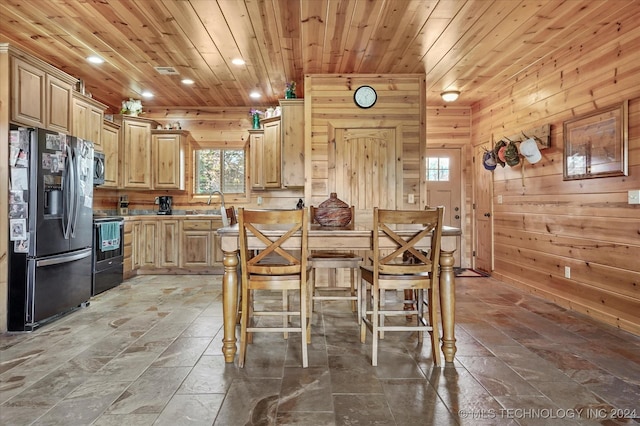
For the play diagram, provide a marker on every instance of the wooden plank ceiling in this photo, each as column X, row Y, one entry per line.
column 472, row 46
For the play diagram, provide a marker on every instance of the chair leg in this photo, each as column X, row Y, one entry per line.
column 356, row 284
column 244, row 319
column 435, row 332
column 304, row 322
column 285, row 308
column 375, row 317
column 364, row 300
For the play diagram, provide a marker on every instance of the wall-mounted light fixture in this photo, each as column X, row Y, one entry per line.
column 450, row 96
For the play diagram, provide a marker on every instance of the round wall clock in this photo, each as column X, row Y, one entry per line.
column 365, row 96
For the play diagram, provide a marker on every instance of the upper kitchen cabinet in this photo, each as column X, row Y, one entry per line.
column 135, row 152
column 40, row 93
column 110, row 141
column 292, row 125
column 168, row 147
column 265, row 154
column 151, row 159
column 277, row 150
column 88, row 115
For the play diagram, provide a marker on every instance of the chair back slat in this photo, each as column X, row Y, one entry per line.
column 282, row 255
column 398, row 236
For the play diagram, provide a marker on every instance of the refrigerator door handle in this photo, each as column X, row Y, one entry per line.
column 76, row 191
column 67, row 206
column 64, row 259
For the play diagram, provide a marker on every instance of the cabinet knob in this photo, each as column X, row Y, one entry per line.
column 487, row 215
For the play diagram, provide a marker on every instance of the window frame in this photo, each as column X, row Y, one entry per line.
column 226, row 145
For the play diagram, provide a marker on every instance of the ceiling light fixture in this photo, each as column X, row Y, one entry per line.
column 450, row 95
column 147, row 95
column 187, row 81
column 238, row 61
column 254, row 95
column 94, row 59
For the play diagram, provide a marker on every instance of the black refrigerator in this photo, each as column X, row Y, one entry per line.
column 50, row 225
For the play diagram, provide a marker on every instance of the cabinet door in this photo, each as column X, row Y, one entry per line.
column 58, row 104
column 148, row 243
column 196, row 243
column 168, row 244
column 136, row 154
column 80, row 111
column 110, row 135
column 292, row 123
column 168, row 161
column 196, row 249
column 28, row 94
column 256, row 143
column 136, row 248
column 271, row 154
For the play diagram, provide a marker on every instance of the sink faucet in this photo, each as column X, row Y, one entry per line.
column 223, row 210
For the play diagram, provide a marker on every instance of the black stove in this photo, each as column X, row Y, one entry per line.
column 108, row 254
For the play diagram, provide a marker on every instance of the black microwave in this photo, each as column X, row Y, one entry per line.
column 98, row 168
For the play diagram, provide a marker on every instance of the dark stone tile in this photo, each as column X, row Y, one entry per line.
column 416, row 402
column 353, row 374
column 306, row 389
column 362, row 409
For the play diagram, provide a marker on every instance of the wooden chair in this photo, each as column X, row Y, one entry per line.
column 333, row 261
column 390, row 272
column 280, row 264
column 231, row 215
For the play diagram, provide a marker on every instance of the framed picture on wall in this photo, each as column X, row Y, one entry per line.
column 597, row 144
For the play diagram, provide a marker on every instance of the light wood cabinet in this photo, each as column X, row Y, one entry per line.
column 135, row 151
column 38, row 97
column 148, row 243
column 168, row 243
column 131, row 248
column 88, row 116
column 292, row 124
column 265, row 158
column 110, row 142
column 198, row 244
column 277, row 150
column 168, row 150
column 256, row 143
column 58, row 104
column 271, row 153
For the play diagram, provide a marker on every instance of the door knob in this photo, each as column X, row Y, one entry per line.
column 487, row 215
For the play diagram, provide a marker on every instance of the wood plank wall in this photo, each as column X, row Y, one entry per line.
column 449, row 126
column 222, row 126
column 545, row 223
column 329, row 105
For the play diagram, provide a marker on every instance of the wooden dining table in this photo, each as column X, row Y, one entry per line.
column 352, row 237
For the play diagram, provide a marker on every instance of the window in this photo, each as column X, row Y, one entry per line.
column 438, row 169
column 219, row 169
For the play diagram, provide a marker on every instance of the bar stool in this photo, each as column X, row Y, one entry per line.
column 333, row 261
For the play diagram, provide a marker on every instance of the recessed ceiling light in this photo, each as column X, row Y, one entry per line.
column 238, row 61
column 147, row 95
column 94, row 59
column 255, row 95
column 450, row 96
column 187, row 81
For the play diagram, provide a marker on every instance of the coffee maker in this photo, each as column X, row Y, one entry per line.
column 164, row 203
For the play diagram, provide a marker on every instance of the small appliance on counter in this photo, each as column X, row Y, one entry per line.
column 123, row 208
column 165, row 202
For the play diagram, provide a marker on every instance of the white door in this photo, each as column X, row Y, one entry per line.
column 444, row 187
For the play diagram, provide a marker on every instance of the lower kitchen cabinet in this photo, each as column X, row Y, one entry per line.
column 197, row 244
column 148, row 243
column 168, row 243
column 171, row 245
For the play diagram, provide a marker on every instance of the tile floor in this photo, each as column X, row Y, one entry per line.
column 149, row 353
